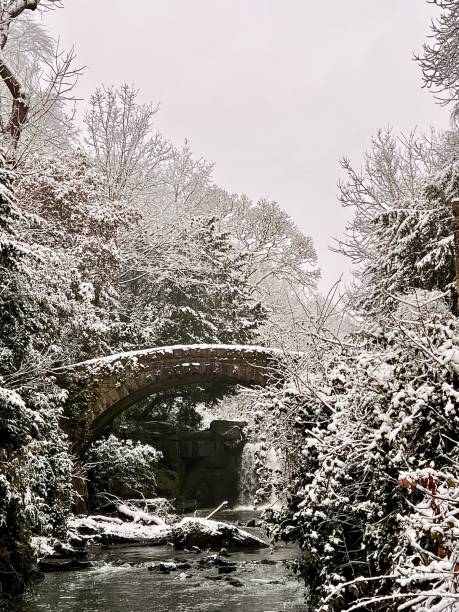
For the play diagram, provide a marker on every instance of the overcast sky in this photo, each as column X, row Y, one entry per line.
column 273, row 91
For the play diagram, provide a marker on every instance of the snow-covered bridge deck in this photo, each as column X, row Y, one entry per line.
column 113, row 383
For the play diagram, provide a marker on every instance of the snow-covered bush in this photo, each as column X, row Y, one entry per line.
column 368, row 433
column 428, row 562
column 17, row 419
column 35, row 477
column 122, row 465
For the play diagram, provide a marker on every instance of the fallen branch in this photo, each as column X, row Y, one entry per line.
column 216, row 510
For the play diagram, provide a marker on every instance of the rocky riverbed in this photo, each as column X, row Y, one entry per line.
column 165, row 578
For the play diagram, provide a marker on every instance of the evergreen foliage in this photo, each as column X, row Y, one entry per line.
column 401, row 235
column 206, row 298
column 35, row 465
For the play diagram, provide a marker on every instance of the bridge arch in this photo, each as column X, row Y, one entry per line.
column 116, row 382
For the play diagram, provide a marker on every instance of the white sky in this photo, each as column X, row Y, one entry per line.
column 273, row 91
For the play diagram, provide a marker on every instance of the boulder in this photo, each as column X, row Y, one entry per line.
column 230, row 430
column 227, row 569
column 212, row 535
column 167, row 567
column 62, row 565
column 114, row 532
column 63, row 550
column 234, row 582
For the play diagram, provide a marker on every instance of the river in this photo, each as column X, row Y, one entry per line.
column 120, row 581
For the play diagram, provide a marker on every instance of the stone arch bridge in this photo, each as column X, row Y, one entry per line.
column 100, row 389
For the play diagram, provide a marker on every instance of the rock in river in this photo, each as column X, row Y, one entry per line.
column 212, row 535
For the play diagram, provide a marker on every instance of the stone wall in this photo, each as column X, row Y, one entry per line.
column 206, row 462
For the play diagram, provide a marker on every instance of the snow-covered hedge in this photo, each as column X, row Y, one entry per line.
column 369, row 435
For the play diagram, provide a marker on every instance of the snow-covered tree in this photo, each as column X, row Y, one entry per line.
column 68, row 210
column 36, row 82
column 35, row 467
column 67, row 197
column 439, row 60
column 273, row 243
column 282, row 262
column 401, row 234
column 169, row 185
column 197, row 292
column 125, row 149
column 184, row 186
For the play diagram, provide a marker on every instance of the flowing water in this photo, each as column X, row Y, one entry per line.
column 249, row 481
column 120, row 581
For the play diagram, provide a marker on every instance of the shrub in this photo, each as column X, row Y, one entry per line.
column 122, row 466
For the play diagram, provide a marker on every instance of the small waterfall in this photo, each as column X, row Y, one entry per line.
column 249, row 481
column 248, row 478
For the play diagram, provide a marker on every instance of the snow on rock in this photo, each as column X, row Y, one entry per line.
column 110, row 531
column 139, row 516
column 144, row 527
column 206, row 533
column 53, row 555
column 42, row 546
